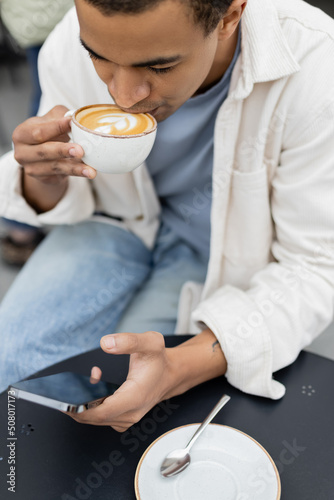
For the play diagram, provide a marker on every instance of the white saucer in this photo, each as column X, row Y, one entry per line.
column 226, row 464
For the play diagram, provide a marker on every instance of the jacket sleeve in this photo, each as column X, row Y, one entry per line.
column 76, row 205
column 290, row 301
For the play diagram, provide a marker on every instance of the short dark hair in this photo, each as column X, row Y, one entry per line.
column 206, row 13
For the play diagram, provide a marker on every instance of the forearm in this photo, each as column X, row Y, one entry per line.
column 195, row 361
column 43, row 196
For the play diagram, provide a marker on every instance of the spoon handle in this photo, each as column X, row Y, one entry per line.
column 222, row 402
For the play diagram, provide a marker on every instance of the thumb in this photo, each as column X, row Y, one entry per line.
column 130, row 343
column 95, row 375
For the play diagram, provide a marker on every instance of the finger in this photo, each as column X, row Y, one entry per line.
column 62, row 138
column 57, row 112
column 115, row 409
column 95, row 375
column 130, row 343
column 120, row 425
column 47, row 151
column 93, row 416
column 38, row 130
column 120, row 428
column 61, row 167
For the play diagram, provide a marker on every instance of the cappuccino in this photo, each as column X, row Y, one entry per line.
column 113, row 141
column 111, row 120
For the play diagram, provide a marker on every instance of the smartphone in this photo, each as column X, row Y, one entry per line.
column 66, row 391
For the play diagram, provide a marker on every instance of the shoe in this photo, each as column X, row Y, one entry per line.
column 16, row 253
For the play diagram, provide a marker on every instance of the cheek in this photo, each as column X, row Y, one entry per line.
column 204, row 65
column 103, row 73
column 197, row 70
column 187, row 82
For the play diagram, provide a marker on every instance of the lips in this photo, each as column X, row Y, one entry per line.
column 151, row 111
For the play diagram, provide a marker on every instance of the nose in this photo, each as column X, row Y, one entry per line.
column 128, row 87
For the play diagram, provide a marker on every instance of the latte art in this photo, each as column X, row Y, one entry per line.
column 112, row 120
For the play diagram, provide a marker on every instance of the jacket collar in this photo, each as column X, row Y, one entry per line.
column 265, row 53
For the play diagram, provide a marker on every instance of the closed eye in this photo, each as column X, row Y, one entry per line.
column 160, row 70
column 153, row 69
column 95, row 57
column 91, row 53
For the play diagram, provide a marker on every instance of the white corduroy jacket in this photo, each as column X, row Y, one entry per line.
column 269, row 289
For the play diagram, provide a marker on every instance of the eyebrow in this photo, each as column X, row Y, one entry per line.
column 159, row 61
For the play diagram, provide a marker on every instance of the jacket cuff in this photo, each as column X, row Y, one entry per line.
column 76, row 205
column 247, row 348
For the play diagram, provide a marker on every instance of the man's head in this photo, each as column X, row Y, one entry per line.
column 155, row 54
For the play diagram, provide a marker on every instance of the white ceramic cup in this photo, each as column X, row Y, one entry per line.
column 112, row 154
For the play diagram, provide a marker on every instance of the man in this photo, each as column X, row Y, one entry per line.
column 246, row 215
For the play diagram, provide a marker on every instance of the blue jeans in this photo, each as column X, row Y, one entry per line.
column 85, row 281
column 13, row 224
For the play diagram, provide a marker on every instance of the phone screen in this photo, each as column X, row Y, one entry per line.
column 66, row 387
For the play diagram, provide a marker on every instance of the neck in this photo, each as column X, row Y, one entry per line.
column 223, row 58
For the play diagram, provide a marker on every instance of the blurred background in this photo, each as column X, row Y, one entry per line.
column 24, row 26
column 19, row 91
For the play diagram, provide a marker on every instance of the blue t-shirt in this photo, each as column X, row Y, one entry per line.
column 181, row 163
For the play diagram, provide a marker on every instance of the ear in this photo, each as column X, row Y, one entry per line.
column 231, row 19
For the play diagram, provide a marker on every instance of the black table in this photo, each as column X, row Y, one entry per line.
column 57, row 458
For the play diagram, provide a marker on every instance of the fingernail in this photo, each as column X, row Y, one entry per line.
column 73, row 152
column 86, row 172
column 109, row 342
column 95, row 372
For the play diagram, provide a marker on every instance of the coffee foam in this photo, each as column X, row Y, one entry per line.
column 111, row 120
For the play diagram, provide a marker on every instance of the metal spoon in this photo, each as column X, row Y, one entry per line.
column 177, row 460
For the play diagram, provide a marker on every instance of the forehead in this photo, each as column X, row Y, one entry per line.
column 166, row 29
